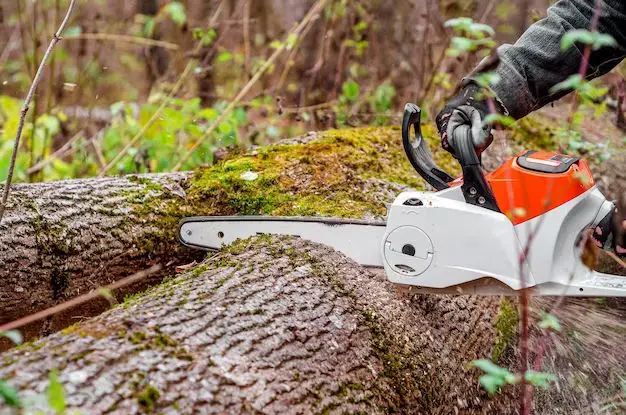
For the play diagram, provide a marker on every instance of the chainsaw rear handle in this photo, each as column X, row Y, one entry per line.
column 475, row 188
column 418, row 152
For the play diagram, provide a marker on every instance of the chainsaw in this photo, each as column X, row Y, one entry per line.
column 519, row 226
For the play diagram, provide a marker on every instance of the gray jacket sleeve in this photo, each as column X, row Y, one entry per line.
column 535, row 63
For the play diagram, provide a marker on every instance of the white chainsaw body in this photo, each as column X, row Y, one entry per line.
column 461, row 245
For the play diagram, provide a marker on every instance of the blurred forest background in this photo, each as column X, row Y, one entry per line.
column 136, row 84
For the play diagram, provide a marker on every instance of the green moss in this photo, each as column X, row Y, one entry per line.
column 137, row 337
column 148, row 398
column 163, row 340
column 323, row 178
column 8, row 360
column 76, row 357
column 506, row 328
column 532, row 134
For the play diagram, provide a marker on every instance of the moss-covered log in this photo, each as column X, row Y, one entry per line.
column 270, row 326
column 62, row 239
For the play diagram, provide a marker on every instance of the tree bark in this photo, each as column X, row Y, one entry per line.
column 273, row 325
column 62, row 239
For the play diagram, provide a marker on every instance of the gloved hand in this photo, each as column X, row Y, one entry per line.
column 468, row 106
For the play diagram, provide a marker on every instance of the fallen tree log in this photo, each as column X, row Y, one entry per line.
column 61, row 239
column 273, row 325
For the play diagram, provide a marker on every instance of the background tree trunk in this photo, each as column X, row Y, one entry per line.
column 275, row 325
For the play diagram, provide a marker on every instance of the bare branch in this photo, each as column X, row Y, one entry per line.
column 125, row 38
column 138, row 276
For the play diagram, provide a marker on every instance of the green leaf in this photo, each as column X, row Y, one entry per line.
column 503, row 120
column 481, row 27
column 572, row 82
column 595, row 39
column 488, row 79
column 463, row 44
column 291, row 40
column 225, row 128
column 491, row 368
column 106, row 294
column 602, row 40
column 224, row 56
column 176, row 10
column 148, row 27
column 73, row 31
column 56, row 394
column 350, row 89
column 573, row 36
column 9, row 395
column 459, row 23
column 359, row 27
column 540, row 379
column 491, row 383
column 495, row 376
column 13, row 335
column 276, row 44
column 550, row 321
column 468, row 26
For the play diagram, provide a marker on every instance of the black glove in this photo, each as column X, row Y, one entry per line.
column 468, row 106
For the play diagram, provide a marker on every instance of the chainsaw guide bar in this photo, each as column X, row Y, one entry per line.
column 357, row 239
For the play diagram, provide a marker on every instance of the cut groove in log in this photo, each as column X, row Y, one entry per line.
column 274, row 325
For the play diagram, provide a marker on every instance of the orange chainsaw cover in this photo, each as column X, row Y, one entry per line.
column 535, row 182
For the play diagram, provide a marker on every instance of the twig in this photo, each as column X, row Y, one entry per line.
column 124, row 38
column 619, row 109
column 23, row 38
column 296, row 110
column 50, row 91
column 297, row 30
column 98, row 150
column 56, row 38
column 57, row 154
column 151, row 121
column 34, row 114
column 290, row 59
column 584, row 63
column 8, row 47
column 246, row 37
column 138, row 276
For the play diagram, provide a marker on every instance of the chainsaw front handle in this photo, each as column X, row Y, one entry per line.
column 418, row 152
column 475, row 188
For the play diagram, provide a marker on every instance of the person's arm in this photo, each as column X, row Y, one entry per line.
column 535, row 63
